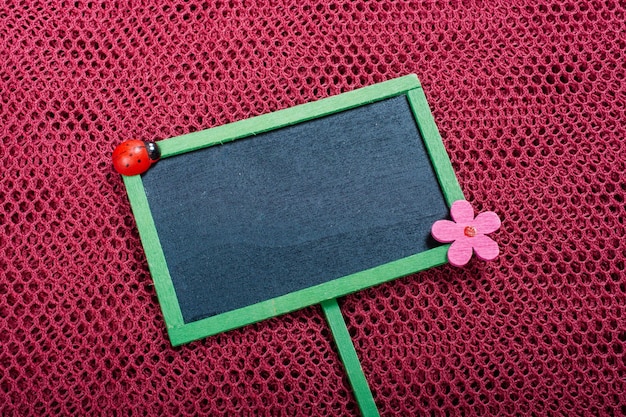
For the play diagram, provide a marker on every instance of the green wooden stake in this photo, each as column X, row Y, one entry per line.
column 350, row 360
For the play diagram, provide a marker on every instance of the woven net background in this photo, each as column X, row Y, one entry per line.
column 530, row 98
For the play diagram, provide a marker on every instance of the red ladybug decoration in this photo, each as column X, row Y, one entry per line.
column 134, row 157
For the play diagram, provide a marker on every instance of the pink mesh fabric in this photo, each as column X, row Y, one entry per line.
column 530, row 98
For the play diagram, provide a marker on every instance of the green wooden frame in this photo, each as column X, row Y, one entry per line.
column 180, row 332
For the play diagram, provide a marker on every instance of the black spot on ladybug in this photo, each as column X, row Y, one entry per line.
column 127, row 165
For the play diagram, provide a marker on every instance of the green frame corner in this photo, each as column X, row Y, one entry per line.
column 181, row 332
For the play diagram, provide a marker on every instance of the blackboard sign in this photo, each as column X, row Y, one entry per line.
column 264, row 216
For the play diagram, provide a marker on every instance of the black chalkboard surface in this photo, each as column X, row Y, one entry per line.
column 292, row 208
column 267, row 215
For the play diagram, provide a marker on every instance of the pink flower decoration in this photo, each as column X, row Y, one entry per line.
column 467, row 233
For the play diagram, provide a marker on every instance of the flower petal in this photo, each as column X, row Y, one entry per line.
column 462, row 212
column 446, row 231
column 485, row 247
column 460, row 252
column 486, row 222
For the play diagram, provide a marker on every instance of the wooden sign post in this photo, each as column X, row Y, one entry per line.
column 272, row 214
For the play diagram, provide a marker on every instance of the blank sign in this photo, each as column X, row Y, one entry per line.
column 267, row 215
